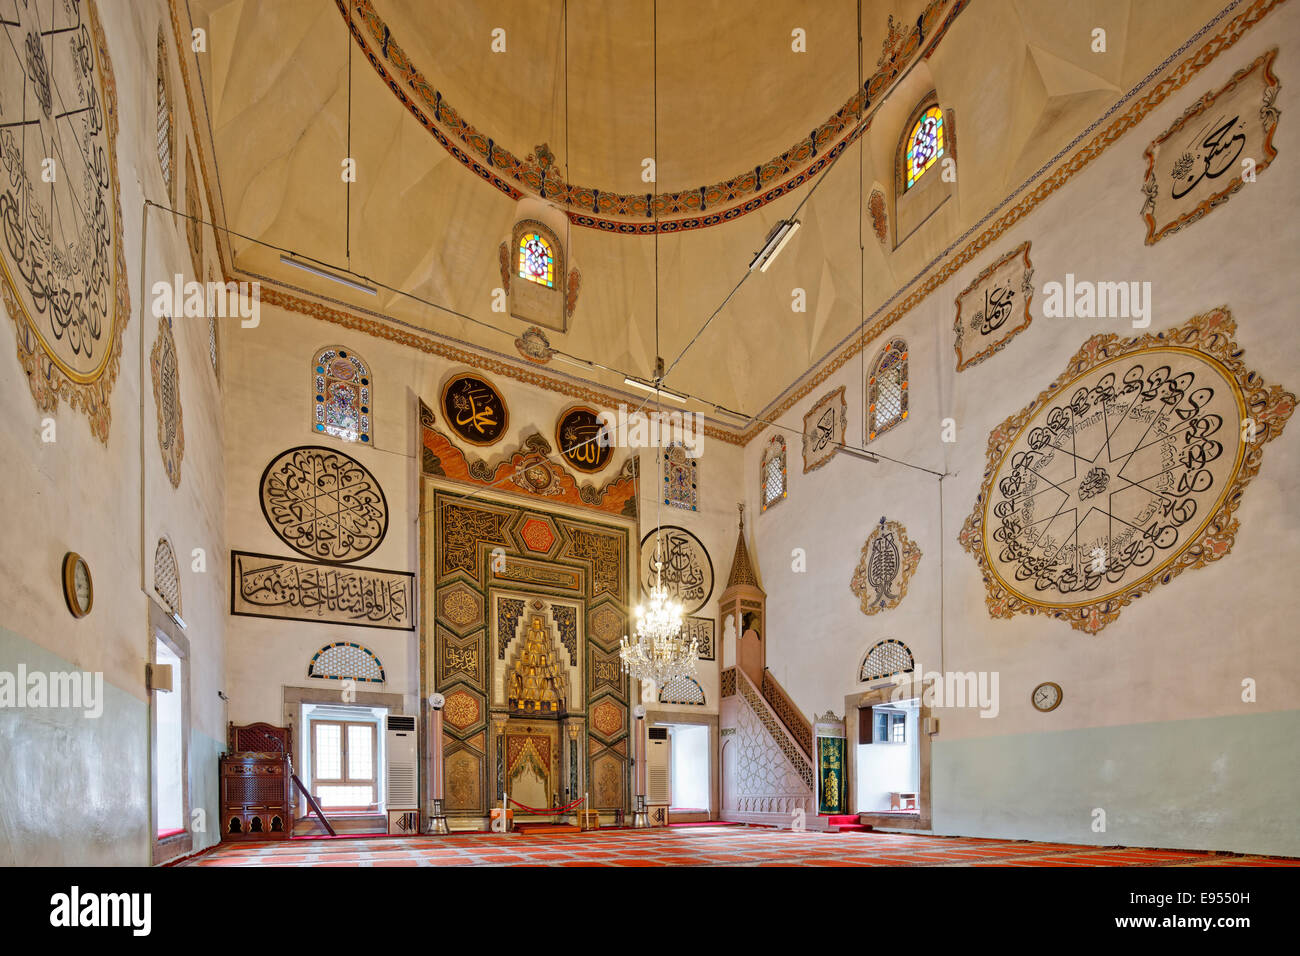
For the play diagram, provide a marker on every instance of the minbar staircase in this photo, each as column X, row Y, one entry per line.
column 756, row 795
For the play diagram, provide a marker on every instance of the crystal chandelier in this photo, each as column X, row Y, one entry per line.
column 659, row 652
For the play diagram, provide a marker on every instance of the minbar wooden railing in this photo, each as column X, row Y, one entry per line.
column 775, row 727
column 311, row 802
column 799, row 726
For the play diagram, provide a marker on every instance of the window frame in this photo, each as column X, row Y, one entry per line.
column 774, row 451
column 163, row 627
column 345, row 780
column 874, row 431
column 365, row 437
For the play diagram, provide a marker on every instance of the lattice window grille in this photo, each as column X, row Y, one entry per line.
column 682, row 690
column 345, row 660
column 773, row 474
column 166, row 576
column 886, row 659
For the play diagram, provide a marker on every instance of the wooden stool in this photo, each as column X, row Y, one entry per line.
column 588, row 820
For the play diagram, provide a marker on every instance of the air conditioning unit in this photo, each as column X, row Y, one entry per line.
column 403, row 761
column 659, row 767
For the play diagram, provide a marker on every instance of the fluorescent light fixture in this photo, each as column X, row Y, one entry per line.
column 652, row 387
column 776, row 240
column 737, row 415
column 177, row 618
column 865, row 456
column 369, row 290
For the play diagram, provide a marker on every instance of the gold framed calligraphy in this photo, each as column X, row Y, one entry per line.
column 1223, row 140
column 324, row 504
column 63, row 272
column 583, row 440
column 474, row 409
column 888, row 560
column 994, row 308
column 262, row 585
column 677, row 559
column 823, row 429
column 1123, row 473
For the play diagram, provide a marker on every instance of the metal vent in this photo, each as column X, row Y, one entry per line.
column 401, row 723
column 658, row 733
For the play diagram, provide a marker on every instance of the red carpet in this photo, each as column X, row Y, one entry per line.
column 703, row 846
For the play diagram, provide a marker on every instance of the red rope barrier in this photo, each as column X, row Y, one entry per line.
column 547, row 810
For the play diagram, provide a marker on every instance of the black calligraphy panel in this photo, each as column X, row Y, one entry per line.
column 583, row 440
column 474, row 410
column 262, row 585
column 324, row 504
column 676, row 558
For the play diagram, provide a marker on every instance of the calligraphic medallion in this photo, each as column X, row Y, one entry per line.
column 324, row 504
column 683, row 566
column 61, row 253
column 994, row 308
column 823, row 429
column 583, row 439
column 1122, row 474
column 474, row 409
column 1220, row 143
column 889, row 558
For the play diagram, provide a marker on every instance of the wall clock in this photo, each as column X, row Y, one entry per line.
column 474, row 410
column 62, row 268
column 78, row 588
column 1046, row 696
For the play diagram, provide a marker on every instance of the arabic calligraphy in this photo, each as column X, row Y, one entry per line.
column 297, row 590
column 474, row 409
column 996, row 311
column 823, row 429
column 1209, row 158
column 583, row 439
column 324, row 504
column 675, row 558
column 997, row 303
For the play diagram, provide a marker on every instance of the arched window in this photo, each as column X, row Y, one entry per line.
column 680, row 488
column 925, row 141
column 341, row 382
column 345, row 660
column 536, row 259
column 772, row 474
column 886, row 659
column 887, row 389
column 164, row 120
column 682, row 690
column 214, row 350
column 166, row 576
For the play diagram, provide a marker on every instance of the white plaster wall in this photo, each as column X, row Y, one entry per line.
column 76, row 494
column 1178, row 654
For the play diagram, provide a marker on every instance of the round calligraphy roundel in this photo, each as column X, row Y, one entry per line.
column 324, row 504
column 583, row 440
column 683, row 566
column 474, row 409
column 1112, row 477
column 60, row 223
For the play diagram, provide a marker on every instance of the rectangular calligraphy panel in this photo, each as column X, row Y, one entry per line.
column 262, row 585
column 994, row 308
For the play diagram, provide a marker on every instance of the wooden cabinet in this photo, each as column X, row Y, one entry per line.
column 256, row 785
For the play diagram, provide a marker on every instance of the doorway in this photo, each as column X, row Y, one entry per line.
column 169, row 737
column 889, row 758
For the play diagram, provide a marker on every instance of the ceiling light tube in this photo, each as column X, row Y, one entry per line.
column 369, row 290
column 652, row 387
column 776, row 241
column 865, row 456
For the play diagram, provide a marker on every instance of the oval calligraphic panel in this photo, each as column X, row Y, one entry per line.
column 324, row 504
column 474, row 410
column 578, row 434
column 62, row 267
column 682, row 565
column 1123, row 474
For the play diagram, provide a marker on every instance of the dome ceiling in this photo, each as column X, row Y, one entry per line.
column 290, row 94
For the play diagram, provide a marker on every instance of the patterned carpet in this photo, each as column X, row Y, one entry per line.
column 702, row 846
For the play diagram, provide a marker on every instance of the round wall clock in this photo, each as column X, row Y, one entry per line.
column 62, row 267
column 578, row 435
column 1046, row 696
column 474, row 410
column 78, row 588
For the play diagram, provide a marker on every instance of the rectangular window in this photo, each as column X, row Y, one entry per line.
column 890, row 727
column 343, row 764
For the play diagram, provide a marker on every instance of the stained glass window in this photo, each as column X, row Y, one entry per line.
column 924, row 144
column 342, row 394
column 887, row 389
column 536, row 260
column 772, row 474
column 164, row 124
column 680, row 488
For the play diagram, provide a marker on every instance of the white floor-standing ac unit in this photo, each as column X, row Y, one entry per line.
column 403, row 754
column 659, row 775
